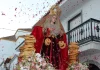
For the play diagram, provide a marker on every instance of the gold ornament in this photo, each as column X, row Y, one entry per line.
column 55, row 10
column 47, row 41
column 28, row 48
column 73, row 52
column 62, row 45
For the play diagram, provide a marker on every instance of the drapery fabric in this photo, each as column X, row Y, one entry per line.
column 57, row 56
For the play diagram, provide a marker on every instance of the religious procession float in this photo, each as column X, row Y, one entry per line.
column 46, row 48
column 29, row 60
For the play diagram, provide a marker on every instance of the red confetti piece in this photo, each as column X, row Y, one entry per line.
column 2, row 59
column 33, row 16
column 43, row 2
column 2, row 46
column 39, row 12
column 11, row 20
column 19, row 2
column 36, row 14
column 15, row 15
column 43, row 7
column 15, row 9
column 95, row 58
column 3, row 13
column 28, row 8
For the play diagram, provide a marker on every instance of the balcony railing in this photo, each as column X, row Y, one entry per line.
column 85, row 32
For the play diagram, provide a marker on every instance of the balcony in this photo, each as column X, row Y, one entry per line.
column 85, row 32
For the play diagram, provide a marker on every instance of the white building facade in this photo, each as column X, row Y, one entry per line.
column 8, row 48
column 81, row 21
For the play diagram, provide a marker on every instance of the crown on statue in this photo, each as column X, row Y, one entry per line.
column 55, row 10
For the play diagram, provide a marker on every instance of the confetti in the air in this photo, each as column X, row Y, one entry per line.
column 3, row 13
column 16, row 14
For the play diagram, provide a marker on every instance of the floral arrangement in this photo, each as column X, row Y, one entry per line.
column 35, row 62
column 78, row 66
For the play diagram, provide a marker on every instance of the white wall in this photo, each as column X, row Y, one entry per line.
column 19, row 41
column 90, row 52
column 13, row 63
column 65, row 25
column 89, row 45
column 7, row 49
column 93, row 57
column 2, row 67
column 90, row 9
column 21, row 32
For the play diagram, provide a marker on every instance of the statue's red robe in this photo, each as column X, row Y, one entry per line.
column 38, row 34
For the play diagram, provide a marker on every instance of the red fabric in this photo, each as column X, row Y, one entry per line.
column 64, row 55
column 19, row 59
column 38, row 34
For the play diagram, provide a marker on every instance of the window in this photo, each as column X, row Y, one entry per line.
column 75, row 21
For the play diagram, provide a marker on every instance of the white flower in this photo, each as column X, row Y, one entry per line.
column 78, row 66
column 22, row 68
column 37, row 63
column 17, row 53
column 44, row 63
column 37, row 66
column 38, row 55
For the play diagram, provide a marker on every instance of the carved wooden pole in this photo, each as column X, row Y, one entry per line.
column 27, row 49
column 73, row 53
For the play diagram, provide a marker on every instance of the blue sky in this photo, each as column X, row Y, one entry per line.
column 15, row 14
